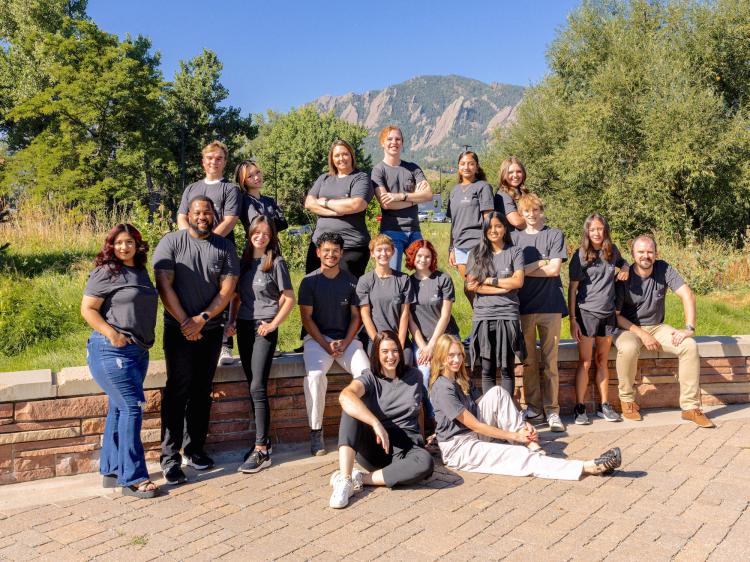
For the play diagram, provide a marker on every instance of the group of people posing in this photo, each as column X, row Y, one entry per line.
column 393, row 332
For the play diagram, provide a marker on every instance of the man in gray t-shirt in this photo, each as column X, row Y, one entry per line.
column 196, row 272
column 640, row 316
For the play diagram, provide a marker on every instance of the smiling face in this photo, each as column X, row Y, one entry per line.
column 644, row 253
column 393, row 143
column 124, row 248
column 382, row 254
column 261, row 236
column 342, row 159
column 454, row 359
column 214, row 163
column 495, row 232
column 389, row 356
column 201, row 218
column 254, row 178
column 329, row 254
column 596, row 233
column 423, row 261
column 467, row 168
column 533, row 216
column 515, row 175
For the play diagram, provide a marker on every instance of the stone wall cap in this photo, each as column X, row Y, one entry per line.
column 76, row 381
column 26, row 385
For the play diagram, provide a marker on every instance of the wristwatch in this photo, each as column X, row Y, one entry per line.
column 205, row 316
column 494, row 281
column 405, row 194
column 690, row 327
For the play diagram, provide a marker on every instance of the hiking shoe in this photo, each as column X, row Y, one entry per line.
column 356, row 479
column 555, row 423
column 225, row 357
column 255, row 461
column 579, row 415
column 607, row 412
column 317, row 445
column 609, row 460
column 174, row 475
column 697, row 416
column 199, row 461
column 343, row 489
column 630, row 411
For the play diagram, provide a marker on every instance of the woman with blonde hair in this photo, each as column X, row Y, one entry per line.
column 489, row 435
column 511, row 185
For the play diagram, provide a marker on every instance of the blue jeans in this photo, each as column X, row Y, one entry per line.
column 120, row 372
column 425, row 370
column 401, row 241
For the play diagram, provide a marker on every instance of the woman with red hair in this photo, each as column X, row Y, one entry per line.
column 119, row 303
column 430, row 315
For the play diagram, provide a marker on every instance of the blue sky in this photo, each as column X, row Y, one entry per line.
column 285, row 53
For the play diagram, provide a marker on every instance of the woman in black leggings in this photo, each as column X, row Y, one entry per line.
column 264, row 298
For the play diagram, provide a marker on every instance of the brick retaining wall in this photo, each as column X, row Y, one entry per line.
column 51, row 423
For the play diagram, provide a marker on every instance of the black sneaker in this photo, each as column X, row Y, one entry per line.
column 174, row 475
column 317, row 445
column 579, row 415
column 609, row 460
column 199, row 461
column 255, row 461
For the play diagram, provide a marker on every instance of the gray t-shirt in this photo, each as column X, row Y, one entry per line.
column 465, row 207
column 541, row 295
column 641, row 299
column 385, row 297
column 225, row 196
column 397, row 402
column 429, row 294
column 449, row 401
column 130, row 301
column 596, row 282
column 498, row 307
column 330, row 299
column 403, row 178
column 504, row 203
column 198, row 265
column 260, row 291
column 352, row 228
column 252, row 207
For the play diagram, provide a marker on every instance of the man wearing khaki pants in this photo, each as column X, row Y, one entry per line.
column 542, row 306
column 640, row 316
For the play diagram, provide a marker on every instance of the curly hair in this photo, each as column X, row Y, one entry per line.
column 414, row 247
column 107, row 254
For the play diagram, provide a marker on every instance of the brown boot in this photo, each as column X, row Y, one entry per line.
column 630, row 411
column 697, row 416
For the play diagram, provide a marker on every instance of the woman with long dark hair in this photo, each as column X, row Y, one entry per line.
column 249, row 177
column 495, row 272
column 339, row 198
column 263, row 300
column 380, row 425
column 119, row 303
column 469, row 204
column 591, row 305
column 488, row 434
column 511, row 185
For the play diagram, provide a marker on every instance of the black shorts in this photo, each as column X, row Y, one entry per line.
column 593, row 326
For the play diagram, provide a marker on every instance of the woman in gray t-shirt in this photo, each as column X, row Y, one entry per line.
column 511, row 185
column 119, row 303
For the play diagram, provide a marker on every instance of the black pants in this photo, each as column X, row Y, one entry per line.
column 407, row 463
column 256, row 353
column 186, row 401
column 353, row 260
column 489, row 369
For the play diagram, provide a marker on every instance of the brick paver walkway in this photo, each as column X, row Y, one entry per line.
column 682, row 494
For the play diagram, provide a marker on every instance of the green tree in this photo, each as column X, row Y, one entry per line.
column 644, row 118
column 292, row 150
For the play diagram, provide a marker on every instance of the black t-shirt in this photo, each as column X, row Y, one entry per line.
column 596, row 282
column 541, row 295
column 130, row 301
column 641, row 299
column 352, row 227
column 225, row 196
column 500, row 307
column 252, row 207
column 260, row 291
column 198, row 265
column 429, row 294
column 403, row 178
column 385, row 297
column 449, row 401
column 397, row 402
column 331, row 300
column 465, row 207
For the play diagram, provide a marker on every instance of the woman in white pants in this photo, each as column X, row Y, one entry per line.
column 489, row 435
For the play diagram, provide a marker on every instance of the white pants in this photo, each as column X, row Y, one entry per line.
column 474, row 453
column 317, row 363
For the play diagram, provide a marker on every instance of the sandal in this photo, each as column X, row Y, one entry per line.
column 535, row 447
column 145, row 489
column 109, row 481
column 608, row 461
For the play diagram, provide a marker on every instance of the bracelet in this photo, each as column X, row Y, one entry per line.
column 405, row 196
column 325, row 202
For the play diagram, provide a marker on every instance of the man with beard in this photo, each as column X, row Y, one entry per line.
column 196, row 272
column 640, row 316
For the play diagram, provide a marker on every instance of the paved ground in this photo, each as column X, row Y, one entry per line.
column 683, row 494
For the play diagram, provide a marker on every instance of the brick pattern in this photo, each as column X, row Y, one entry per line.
column 54, row 437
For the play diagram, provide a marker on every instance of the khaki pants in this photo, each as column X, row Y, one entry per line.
column 629, row 349
column 534, row 390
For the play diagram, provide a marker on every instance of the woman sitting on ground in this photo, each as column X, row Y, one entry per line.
column 489, row 435
column 380, row 425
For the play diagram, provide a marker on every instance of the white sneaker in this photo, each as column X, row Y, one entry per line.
column 555, row 423
column 225, row 357
column 343, row 489
column 356, row 479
